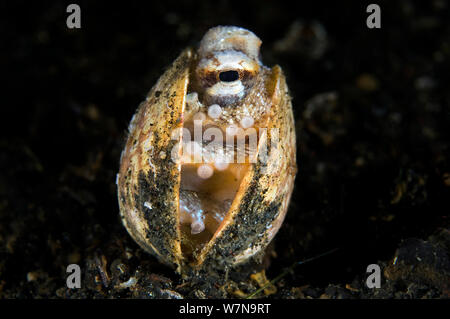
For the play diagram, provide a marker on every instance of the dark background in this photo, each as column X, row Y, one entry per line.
column 372, row 117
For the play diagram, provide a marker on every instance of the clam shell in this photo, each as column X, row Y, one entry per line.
column 149, row 179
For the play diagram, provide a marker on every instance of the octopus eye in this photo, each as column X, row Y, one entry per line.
column 224, row 77
column 229, row 76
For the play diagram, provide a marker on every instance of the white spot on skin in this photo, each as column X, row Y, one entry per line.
column 247, row 122
column 214, row 111
column 205, row 171
column 127, row 284
column 117, row 179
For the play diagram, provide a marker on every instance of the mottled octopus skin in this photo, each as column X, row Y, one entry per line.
column 149, row 179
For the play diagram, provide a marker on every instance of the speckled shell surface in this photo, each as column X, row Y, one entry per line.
column 149, row 179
